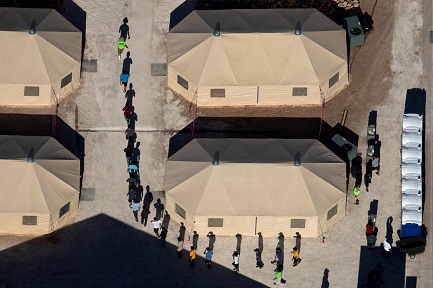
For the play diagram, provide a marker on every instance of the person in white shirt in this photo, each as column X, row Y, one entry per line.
column 156, row 224
column 235, row 263
column 387, row 248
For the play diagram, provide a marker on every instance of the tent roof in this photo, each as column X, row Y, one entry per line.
column 257, row 47
column 39, row 187
column 255, row 177
column 44, row 58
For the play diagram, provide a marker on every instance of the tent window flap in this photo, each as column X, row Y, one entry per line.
column 64, row 210
column 179, row 210
column 297, row 223
column 217, row 92
column 31, row 91
column 66, row 80
column 215, row 222
column 182, row 82
column 299, row 91
column 334, row 79
column 332, row 212
column 30, row 220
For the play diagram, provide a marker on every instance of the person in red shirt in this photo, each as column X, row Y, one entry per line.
column 369, row 228
column 127, row 110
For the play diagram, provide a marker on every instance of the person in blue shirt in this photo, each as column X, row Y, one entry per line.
column 124, row 77
column 135, row 207
column 132, row 168
column 208, row 256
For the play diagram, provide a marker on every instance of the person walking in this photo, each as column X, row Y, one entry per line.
column 376, row 164
column 278, row 276
column 259, row 262
column 124, row 77
column 356, row 192
column 135, row 207
column 127, row 112
column 124, row 29
column 128, row 154
column 144, row 215
column 235, row 263
column 208, row 252
column 279, row 257
column 129, row 132
column 296, row 259
column 368, row 174
column 163, row 235
column 212, row 239
column 179, row 247
column 121, row 44
column 386, row 248
column 156, row 224
column 131, row 194
column 132, row 168
column 192, row 255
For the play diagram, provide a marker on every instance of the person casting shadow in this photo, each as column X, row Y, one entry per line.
column 148, row 197
column 182, row 231
column 238, row 243
column 195, row 239
column 159, row 207
column 124, row 29
column 139, row 194
column 127, row 62
column 212, row 239
column 325, row 282
column 260, row 242
column 136, row 153
column 298, row 241
column 133, row 118
column 389, row 230
column 281, row 241
column 130, row 94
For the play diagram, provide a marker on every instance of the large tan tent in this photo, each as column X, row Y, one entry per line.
column 39, row 185
column 40, row 68
column 247, row 186
column 256, row 57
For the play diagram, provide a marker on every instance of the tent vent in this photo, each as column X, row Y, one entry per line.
column 66, row 80
column 298, row 28
column 217, row 93
column 217, row 30
column 215, row 222
column 332, row 212
column 298, row 159
column 31, row 156
column 30, row 220
column 297, row 223
column 32, row 30
column 31, row 91
column 334, row 79
column 216, row 159
column 299, row 91
column 179, row 210
column 64, row 209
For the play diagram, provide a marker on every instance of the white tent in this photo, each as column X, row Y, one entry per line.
column 256, row 186
column 257, row 57
column 39, row 185
column 37, row 69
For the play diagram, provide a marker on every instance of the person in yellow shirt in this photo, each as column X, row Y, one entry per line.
column 192, row 255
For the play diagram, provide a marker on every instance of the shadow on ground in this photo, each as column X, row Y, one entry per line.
column 103, row 252
column 394, row 267
column 45, row 125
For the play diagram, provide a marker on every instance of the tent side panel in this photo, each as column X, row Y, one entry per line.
column 75, row 83
column 271, row 226
column 172, row 82
column 13, row 95
column 233, row 96
column 170, row 208
column 343, row 81
column 12, row 223
column 325, row 224
column 57, row 222
column 286, row 95
column 232, row 225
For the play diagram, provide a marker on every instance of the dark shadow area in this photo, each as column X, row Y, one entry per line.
column 124, row 29
column 181, row 12
column 281, row 241
column 166, row 220
column 77, row 16
column 389, row 230
column 159, row 207
column 325, row 281
column 195, row 237
column 238, row 243
column 374, row 205
column 394, row 267
column 346, row 133
column 118, row 255
column 148, row 198
column 45, row 125
column 130, row 94
column 260, row 242
column 182, row 231
column 127, row 62
column 54, row 4
column 411, row 281
column 298, row 238
column 212, row 239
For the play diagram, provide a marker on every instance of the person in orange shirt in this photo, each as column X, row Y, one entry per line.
column 296, row 259
column 192, row 256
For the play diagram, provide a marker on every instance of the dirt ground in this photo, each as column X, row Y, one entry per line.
column 393, row 60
